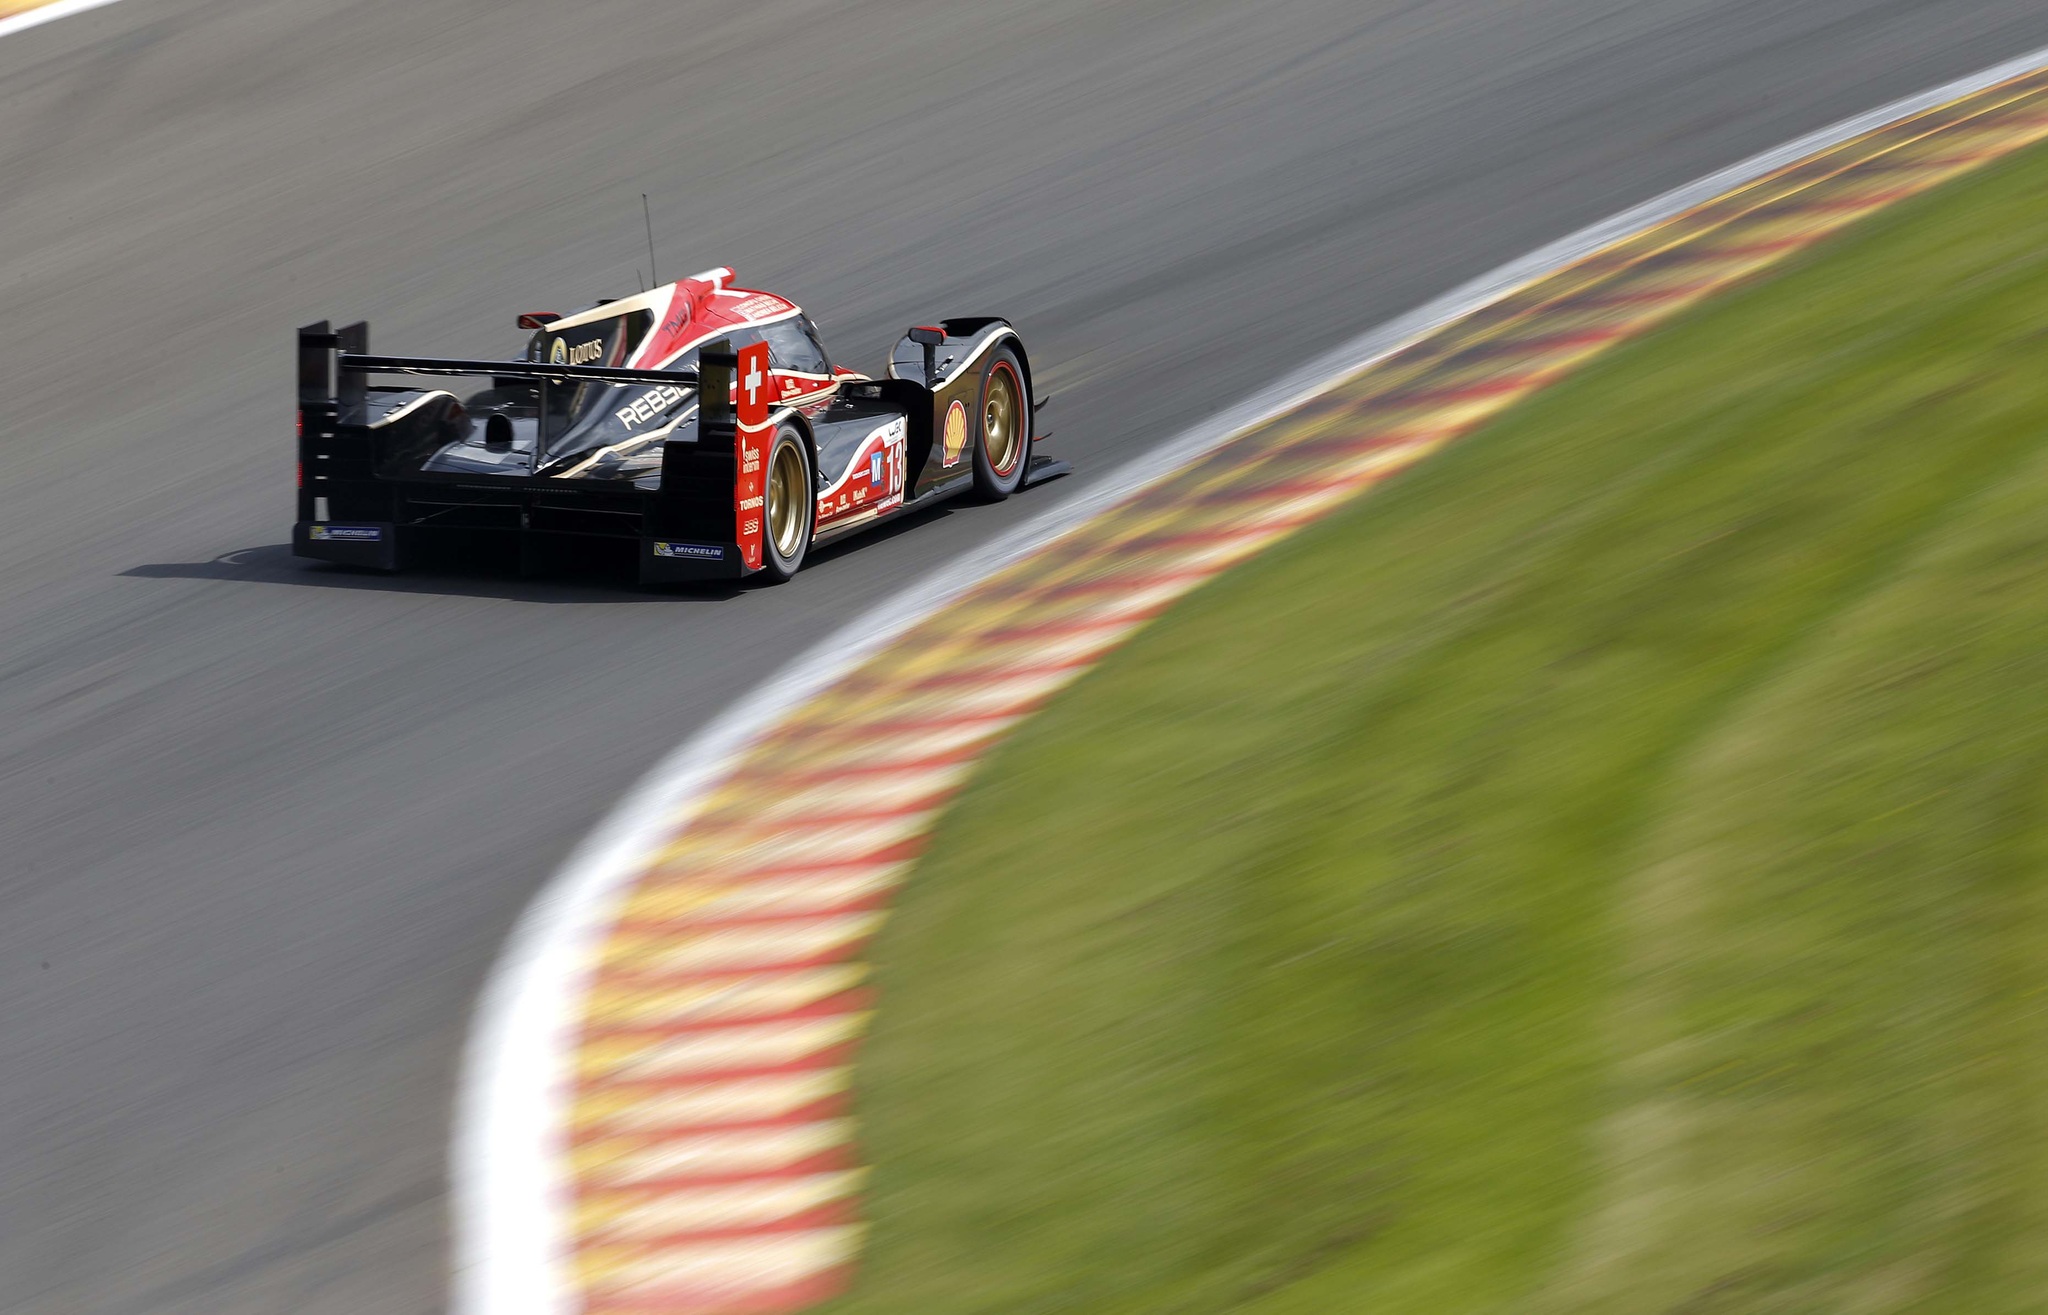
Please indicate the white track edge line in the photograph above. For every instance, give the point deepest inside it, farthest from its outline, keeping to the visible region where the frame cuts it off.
(506, 1198)
(29, 18)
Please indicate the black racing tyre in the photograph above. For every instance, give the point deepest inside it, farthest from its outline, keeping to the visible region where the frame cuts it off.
(789, 505)
(1002, 448)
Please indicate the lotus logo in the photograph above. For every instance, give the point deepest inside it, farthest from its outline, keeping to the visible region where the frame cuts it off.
(581, 354)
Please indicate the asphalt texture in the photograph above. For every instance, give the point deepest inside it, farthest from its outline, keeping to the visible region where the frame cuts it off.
(263, 824)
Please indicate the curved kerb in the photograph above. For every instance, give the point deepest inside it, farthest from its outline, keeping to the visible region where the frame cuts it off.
(653, 1115)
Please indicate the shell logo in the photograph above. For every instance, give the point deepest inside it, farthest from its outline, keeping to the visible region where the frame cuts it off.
(956, 433)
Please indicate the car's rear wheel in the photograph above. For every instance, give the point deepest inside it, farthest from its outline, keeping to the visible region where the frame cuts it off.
(789, 506)
(1004, 446)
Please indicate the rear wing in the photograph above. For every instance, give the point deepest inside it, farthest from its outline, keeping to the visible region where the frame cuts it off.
(335, 367)
(356, 508)
(352, 363)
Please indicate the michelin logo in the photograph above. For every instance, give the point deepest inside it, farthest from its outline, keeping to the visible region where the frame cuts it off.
(349, 533)
(702, 551)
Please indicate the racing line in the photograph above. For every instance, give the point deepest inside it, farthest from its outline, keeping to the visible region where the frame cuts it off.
(656, 1114)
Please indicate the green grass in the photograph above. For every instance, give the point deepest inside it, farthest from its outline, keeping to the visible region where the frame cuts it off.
(1602, 871)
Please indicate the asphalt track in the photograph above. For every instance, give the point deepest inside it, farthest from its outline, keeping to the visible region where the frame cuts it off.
(264, 824)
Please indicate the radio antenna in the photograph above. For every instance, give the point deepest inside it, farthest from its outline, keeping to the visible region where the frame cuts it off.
(647, 213)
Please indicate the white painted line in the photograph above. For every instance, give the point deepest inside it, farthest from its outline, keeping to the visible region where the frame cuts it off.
(49, 13)
(511, 1225)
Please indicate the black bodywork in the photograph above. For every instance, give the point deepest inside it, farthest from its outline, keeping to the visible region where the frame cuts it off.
(367, 499)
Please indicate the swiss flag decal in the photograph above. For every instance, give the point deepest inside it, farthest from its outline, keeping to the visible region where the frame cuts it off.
(751, 387)
(750, 391)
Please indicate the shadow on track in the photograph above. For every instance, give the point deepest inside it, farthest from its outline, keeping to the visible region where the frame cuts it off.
(564, 578)
(570, 579)
(273, 563)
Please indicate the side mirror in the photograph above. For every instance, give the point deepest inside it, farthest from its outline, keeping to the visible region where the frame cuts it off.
(930, 339)
(538, 320)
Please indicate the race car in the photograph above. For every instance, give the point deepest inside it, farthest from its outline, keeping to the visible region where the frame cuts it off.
(699, 426)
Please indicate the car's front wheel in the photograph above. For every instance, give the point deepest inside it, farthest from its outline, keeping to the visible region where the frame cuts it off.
(1004, 446)
(789, 506)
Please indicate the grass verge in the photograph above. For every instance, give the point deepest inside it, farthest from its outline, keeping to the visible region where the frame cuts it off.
(1599, 872)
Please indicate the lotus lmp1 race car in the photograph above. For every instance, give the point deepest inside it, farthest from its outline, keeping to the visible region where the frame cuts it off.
(699, 426)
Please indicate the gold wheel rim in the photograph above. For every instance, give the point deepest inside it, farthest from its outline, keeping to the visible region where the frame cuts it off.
(999, 428)
(786, 500)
